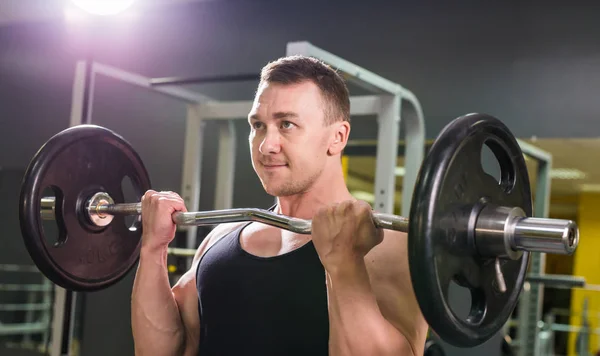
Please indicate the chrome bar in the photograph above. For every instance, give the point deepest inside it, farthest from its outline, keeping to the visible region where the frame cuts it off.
(499, 231)
(384, 221)
(118, 209)
(237, 215)
(546, 235)
(506, 232)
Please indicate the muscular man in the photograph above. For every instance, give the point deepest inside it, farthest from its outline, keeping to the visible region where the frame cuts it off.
(254, 289)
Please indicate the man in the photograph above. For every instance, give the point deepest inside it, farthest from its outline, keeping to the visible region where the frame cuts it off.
(254, 289)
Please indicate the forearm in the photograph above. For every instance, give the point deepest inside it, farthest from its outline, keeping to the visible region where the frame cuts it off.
(156, 323)
(357, 326)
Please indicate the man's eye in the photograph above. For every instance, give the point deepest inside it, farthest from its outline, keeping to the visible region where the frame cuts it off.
(257, 125)
(287, 125)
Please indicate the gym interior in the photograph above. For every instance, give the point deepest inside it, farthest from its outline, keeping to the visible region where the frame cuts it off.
(176, 80)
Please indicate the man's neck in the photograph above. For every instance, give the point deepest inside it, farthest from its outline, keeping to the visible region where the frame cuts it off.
(305, 205)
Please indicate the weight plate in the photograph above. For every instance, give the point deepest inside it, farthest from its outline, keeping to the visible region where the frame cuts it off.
(451, 185)
(75, 164)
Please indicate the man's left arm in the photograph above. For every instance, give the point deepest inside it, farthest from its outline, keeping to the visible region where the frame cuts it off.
(372, 307)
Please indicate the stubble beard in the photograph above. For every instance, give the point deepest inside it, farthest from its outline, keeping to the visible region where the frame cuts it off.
(290, 187)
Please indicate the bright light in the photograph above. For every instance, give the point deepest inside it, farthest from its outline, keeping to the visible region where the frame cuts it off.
(103, 7)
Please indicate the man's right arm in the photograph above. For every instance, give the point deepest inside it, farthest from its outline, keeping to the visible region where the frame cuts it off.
(165, 320)
(155, 319)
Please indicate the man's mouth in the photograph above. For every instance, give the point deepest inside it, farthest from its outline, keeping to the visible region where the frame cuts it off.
(274, 166)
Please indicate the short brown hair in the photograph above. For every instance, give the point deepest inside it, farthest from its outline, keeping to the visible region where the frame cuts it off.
(297, 69)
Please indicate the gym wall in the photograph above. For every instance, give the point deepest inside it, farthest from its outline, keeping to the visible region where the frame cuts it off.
(531, 65)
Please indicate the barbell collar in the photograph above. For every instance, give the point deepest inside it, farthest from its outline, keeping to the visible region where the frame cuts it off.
(555, 236)
(506, 232)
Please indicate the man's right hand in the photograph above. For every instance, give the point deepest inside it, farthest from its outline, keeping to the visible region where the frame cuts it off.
(157, 222)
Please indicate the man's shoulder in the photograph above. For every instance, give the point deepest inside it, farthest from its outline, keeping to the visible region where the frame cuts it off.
(216, 234)
(221, 230)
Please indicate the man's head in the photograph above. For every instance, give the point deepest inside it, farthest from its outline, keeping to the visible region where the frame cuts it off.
(300, 122)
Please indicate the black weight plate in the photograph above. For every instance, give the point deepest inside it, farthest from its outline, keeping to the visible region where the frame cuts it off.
(433, 348)
(451, 183)
(76, 163)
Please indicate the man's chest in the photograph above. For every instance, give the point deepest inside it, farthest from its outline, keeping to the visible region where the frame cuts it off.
(268, 241)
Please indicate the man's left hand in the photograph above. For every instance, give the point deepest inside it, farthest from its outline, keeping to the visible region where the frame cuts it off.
(344, 233)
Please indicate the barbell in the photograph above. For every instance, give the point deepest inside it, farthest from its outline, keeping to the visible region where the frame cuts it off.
(464, 225)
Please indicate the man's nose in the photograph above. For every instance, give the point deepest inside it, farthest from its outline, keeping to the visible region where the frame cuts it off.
(271, 142)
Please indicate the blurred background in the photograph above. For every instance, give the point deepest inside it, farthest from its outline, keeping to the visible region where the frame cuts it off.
(535, 65)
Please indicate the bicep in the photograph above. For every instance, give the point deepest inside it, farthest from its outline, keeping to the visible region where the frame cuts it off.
(187, 301)
(390, 278)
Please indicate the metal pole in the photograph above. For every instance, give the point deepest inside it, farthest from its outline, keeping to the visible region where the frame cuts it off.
(192, 167)
(225, 166)
(530, 308)
(65, 300)
(387, 153)
(202, 80)
(414, 136)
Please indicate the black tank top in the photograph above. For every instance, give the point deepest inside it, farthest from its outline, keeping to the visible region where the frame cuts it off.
(252, 305)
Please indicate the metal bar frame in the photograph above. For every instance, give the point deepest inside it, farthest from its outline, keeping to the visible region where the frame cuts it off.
(192, 168)
(29, 306)
(387, 154)
(202, 80)
(29, 326)
(189, 96)
(225, 166)
(19, 287)
(20, 329)
(18, 268)
(558, 281)
(530, 309)
(389, 123)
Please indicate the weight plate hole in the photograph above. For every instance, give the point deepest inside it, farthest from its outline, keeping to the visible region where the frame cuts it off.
(467, 303)
(130, 195)
(497, 163)
(459, 299)
(53, 225)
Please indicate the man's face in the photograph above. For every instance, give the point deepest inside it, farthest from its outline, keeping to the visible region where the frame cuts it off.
(288, 138)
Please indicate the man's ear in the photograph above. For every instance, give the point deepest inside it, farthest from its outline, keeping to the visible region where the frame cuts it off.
(341, 132)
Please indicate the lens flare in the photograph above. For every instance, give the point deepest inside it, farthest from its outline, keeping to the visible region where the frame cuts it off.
(103, 7)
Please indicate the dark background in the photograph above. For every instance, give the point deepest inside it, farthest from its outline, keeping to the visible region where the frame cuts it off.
(533, 64)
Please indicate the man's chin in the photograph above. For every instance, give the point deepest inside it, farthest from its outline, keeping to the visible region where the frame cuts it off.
(277, 190)
(272, 191)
